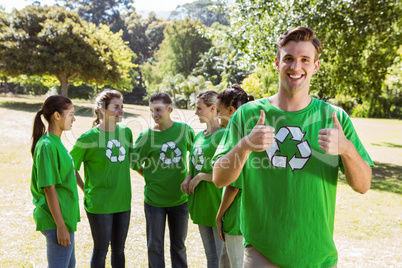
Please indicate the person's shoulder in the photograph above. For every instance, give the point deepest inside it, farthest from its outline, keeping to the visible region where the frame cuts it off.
(124, 128)
(326, 106)
(94, 131)
(182, 125)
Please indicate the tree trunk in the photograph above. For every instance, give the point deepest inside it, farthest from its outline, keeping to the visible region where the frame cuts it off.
(174, 97)
(5, 84)
(64, 86)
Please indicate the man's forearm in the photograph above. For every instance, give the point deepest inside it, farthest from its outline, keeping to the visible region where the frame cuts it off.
(357, 172)
(228, 168)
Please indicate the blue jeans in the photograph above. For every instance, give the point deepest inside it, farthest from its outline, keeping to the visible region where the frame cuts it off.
(58, 255)
(109, 228)
(212, 245)
(178, 224)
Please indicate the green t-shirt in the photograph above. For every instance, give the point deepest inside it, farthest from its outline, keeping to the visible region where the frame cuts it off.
(163, 155)
(289, 190)
(231, 219)
(53, 165)
(106, 158)
(204, 203)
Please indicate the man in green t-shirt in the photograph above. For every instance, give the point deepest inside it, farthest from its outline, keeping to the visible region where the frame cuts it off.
(285, 151)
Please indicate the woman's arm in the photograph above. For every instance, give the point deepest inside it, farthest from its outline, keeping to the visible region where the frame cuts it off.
(184, 185)
(197, 179)
(63, 235)
(80, 183)
(227, 200)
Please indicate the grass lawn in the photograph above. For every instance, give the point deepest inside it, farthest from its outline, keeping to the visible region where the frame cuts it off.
(367, 227)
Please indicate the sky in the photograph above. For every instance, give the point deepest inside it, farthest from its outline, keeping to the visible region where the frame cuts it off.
(140, 5)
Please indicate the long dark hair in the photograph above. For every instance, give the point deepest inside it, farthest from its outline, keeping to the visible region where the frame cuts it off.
(52, 104)
(234, 96)
(102, 101)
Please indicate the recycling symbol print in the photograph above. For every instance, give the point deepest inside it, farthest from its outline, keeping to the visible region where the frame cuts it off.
(109, 153)
(177, 153)
(303, 147)
(197, 153)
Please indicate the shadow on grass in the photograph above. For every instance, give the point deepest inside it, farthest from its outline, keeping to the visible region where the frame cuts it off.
(386, 177)
(387, 144)
(34, 107)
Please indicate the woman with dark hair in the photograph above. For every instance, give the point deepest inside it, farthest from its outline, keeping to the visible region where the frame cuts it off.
(204, 197)
(105, 151)
(53, 182)
(160, 156)
(228, 217)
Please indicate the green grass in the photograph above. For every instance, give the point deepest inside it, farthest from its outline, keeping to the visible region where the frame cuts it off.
(367, 227)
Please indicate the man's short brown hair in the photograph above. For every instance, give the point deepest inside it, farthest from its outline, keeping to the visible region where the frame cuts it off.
(299, 34)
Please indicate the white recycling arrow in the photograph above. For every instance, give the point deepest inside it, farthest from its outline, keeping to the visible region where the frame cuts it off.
(109, 153)
(297, 163)
(297, 134)
(279, 161)
(272, 150)
(164, 147)
(282, 134)
(304, 149)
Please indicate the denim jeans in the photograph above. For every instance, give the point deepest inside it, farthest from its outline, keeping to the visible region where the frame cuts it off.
(212, 245)
(177, 218)
(59, 256)
(232, 252)
(109, 228)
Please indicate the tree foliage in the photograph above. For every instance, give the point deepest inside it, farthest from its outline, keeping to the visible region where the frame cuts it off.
(99, 11)
(359, 40)
(52, 41)
(206, 11)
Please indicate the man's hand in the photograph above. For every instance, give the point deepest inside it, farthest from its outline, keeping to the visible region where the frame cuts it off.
(333, 140)
(261, 137)
(184, 185)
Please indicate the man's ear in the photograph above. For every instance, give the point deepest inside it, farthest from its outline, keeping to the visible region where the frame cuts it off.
(170, 108)
(277, 64)
(316, 66)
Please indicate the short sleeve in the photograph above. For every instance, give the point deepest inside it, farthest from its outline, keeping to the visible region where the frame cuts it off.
(47, 166)
(138, 151)
(230, 138)
(190, 138)
(351, 134)
(78, 153)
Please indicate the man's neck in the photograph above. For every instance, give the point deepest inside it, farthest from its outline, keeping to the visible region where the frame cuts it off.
(290, 103)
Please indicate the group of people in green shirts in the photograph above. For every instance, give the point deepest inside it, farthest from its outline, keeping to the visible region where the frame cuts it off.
(278, 158)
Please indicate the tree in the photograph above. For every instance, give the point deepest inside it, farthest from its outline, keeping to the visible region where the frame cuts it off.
(100, 11)
(223, 62)
(170, 84)
(182, 47)
(52, 41)
(359, 37)
(206, 11)
(192, 85)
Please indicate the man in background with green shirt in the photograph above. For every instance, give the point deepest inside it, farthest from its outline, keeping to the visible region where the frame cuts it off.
(285, 151)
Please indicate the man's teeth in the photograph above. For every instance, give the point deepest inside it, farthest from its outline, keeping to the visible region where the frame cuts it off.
(295, 76)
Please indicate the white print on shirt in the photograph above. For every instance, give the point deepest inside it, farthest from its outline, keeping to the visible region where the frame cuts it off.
(109, 152)
(164, 149)
(303, 147)
(197, 164)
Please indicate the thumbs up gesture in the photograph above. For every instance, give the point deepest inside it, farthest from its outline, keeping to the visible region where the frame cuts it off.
(261, 137)
(333, 140)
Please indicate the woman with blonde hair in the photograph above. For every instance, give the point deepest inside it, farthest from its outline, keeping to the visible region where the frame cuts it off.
(105, 151)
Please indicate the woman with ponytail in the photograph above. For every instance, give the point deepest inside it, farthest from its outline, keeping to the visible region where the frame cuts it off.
(228, 217)
(105, 151)
(53, 182)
